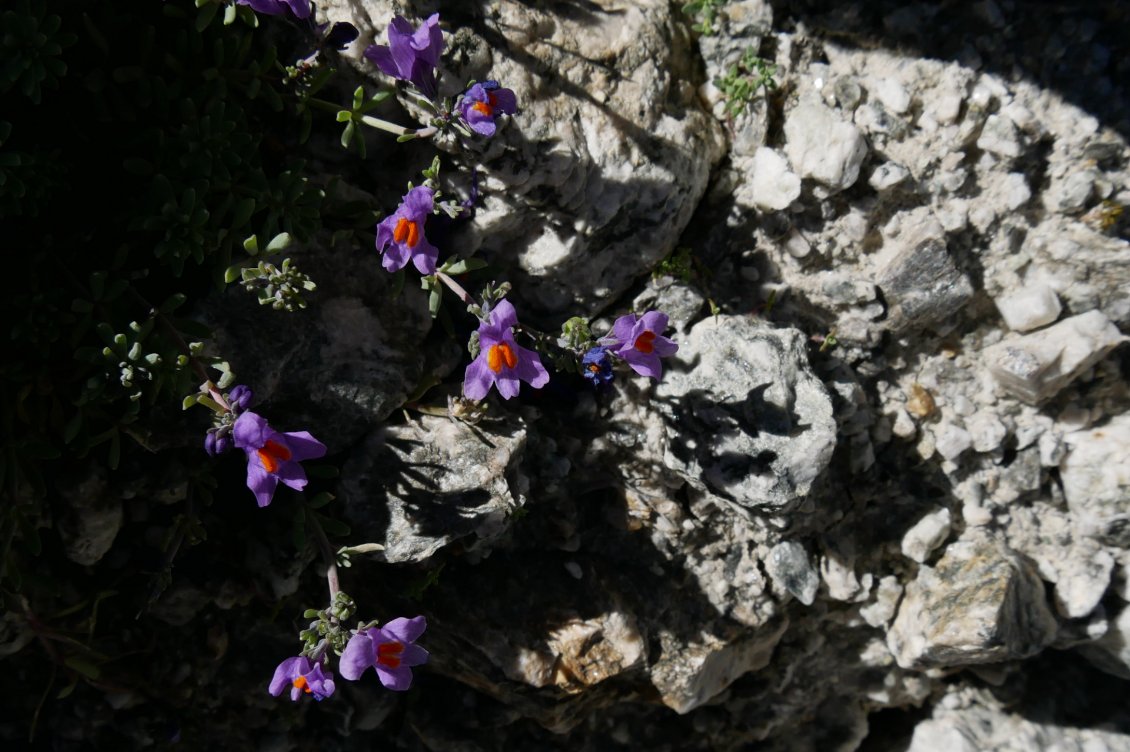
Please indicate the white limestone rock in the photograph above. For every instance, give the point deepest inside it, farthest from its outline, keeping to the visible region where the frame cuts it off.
(1096, 480)
(770, 183)
(926, 535)
(1036, 366)
(823, 147)
(985, 430)
(749, 422)
(1029, 308)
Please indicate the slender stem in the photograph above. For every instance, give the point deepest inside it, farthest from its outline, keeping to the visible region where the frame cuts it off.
(328, 555)
(455, 288)
(174, 335)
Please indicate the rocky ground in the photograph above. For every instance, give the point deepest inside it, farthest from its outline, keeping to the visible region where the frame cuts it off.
(913, 538)
(881, 498)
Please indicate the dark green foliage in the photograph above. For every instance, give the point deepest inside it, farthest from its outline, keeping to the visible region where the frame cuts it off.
(145, 148)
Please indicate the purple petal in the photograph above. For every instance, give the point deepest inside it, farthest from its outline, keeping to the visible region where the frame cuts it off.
(622, 329)
(529, 368)
(503, 316)
(292, 474)
(381, 56)
(428, 40)
(395, 257)
(478, 378)
(251, 431)
(413, 655)
(418, 203)
(400, 43)
(508, 383)
(303, 446)
(423, 77)
(398, 679)
(424, 256)
(261, 483)
(300, 8)
(385, 229)
(482, 124)
(645, 364)
(654, 321)
(664, 347)
(357, 656)
(405, 630)
(285, 673)
(266, 7)
(505, 101)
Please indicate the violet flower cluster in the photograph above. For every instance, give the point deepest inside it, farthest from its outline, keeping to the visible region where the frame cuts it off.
(391, 651)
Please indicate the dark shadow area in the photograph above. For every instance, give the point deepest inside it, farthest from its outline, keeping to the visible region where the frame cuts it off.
(1075, 48)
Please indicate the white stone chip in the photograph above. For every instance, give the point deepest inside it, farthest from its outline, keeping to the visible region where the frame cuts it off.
(772, 184)
(926, 535)
(823, 147)
(1029, 308)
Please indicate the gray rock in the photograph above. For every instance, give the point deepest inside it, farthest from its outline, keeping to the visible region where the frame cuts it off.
(1037, 366)
(747, 421)
(1000, 137)
(888, 175)
(1111, 652)
(418, 487)
(922, 285)
(792, 571)
(982, 603)
(1082, 579)
(1096, 480)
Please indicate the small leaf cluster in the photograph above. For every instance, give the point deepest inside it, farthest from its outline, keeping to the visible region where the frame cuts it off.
(31, 47)
(745, 79)
(706, 11)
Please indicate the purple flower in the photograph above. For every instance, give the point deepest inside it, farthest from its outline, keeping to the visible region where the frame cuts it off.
(501, 360)
(597, 366)
(482, 103)
(411, 54)
(404, 231)
(273, 456)
(389, 650)
(340, 35)
(299, 8)
(303, 676)
(640, 342)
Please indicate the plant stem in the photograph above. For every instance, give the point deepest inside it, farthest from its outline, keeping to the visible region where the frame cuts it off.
(327, 554)
(455, 288)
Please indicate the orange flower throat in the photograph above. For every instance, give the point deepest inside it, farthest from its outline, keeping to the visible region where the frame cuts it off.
(388, 654)
(407, 230)
(486, 108)
(500, 355)
(645, 343)
(270, 455)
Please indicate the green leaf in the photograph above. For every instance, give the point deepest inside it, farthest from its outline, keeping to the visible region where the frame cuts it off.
(173, 302)
(205, 16)
(331, 526)
(310, 613)
(279, 242)
(344, 116)
(188, 402)
(251, 245)
(465, 265)
(229, 15)
(83, 666)
(320, 500)
(435, 300)
(232, 273)
(358, 97)
(242, 212)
